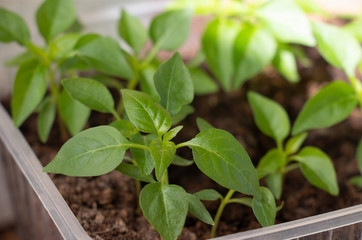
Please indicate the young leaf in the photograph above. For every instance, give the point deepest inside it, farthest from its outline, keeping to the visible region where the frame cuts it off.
(142, 157)
(208, 195)
(275, 184)
(28, 91)
(63, 45)
(217, 44)
(203, 84)
(147, 84)
(359, 156)
(74, 114)
(182, 114)
(163, 153)
(104, 54)
(222, 158)
(253, 49)
(91, 93)
(270, 117)
(287, 21)
(354, 28)
(125, 127)
(19, 59)
(174, 85)
(318, 169)
(132, 31)
(198, 209)
(270, 162)
(170, 29)
(47, 111)
(134, 172)
(337, 46)
(286, 64)
(331, 105)
(54, 17)
(93, 152)
(172, 133)
(264, 208)
(13, 28)
(164, 206)
(145, 113)
(203, 124)
(294, 143)
(180, 161)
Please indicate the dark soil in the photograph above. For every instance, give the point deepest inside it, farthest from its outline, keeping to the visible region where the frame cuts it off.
(106, 205)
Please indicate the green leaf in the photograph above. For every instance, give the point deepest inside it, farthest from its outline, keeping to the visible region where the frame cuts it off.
(203, 124)
(245, 201)
(271, 162)
(331, 105)
(54, 17)
(74, 114)
(132, 31)
(104, 54)
(270, 117)
(357, 181)
(109, 82)
(198, 209)
(222, 158)
(142, 157)
(275, 184)
(147, 84)
(47, 111)
(286, 64)
(172, 133)
(163, 153)
(208, 195)
(180, 161)
(13, 28)
(93, 152)
(317, 167)
(359, 156)
(287, 21)
(182, 114)
(164, 206)
(174, 85)
(217, 44)
(294, 143)
(354, 28)
(145, 113)
(170, 29)
(337, 46)
(203, 84)
(134, 172)
(19, 59)
(62, 46)
(28, 91)
(312, 7)
(253, 49)
(264, 208)
(125, 127)
(91, 93)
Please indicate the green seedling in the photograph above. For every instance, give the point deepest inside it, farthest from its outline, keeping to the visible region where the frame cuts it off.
(147, 133)
(65, 54)
(314, 164)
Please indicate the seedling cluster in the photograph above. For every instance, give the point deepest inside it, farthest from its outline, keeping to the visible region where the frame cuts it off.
(241, 40)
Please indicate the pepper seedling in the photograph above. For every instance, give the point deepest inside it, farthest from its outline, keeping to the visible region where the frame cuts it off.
(314, 164)
(148, 135)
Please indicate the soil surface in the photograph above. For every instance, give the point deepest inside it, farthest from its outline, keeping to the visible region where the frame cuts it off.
(106, 205)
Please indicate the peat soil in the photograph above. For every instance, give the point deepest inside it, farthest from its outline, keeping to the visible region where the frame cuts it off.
(106, 205)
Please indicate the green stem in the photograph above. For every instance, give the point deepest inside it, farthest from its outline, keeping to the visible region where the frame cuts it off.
(151, 54)
(219, 212)
(291, 167)
(180, 145)
(136, 145)
(357, 86)
(138, 192)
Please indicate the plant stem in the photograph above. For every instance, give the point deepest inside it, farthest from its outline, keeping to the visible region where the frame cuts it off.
(220, 210)
(291, 167)
(357, 86)
(136, 145)
(138, 192)
(151, 54)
